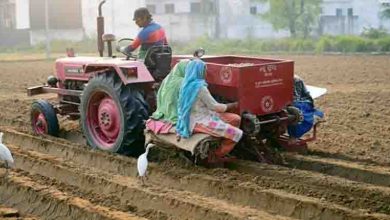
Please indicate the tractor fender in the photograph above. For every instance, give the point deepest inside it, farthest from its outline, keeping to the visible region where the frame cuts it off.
(129, 72)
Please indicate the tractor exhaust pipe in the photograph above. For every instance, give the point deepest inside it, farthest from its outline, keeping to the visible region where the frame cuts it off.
(100, 29)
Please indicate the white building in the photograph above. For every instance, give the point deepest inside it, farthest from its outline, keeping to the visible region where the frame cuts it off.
(183, 20)
(12, 23)
(68, 19)
(352, 16)
(186, 20)
(239, 19)
(118, 15)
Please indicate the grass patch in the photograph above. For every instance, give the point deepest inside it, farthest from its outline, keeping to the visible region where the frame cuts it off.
(341, 44)
(377, 43)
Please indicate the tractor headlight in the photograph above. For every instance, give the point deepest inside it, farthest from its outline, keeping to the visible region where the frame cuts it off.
(130, 72)
(52, 81)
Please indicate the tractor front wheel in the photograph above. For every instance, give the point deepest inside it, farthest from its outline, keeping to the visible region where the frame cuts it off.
(112, 115)
(44, 118)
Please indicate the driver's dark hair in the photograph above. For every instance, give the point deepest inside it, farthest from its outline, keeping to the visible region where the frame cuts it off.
(141, 13)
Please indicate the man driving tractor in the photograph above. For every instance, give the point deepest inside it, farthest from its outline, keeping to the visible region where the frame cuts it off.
(152, 34)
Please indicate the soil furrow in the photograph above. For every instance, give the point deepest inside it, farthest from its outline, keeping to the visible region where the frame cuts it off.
(180, 204)
(7, 213)
(352, 194)
(377, 175)
(355, 134)
(101, 199)
(47, 202)
(245, 188)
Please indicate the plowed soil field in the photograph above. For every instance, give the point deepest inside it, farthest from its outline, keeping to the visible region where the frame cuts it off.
(345, 175)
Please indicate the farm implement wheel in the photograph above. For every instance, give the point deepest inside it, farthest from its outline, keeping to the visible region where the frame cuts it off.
(44, 118)
(112, 115)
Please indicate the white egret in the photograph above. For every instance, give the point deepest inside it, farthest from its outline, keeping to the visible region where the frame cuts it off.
(142, 164)
(5, 155)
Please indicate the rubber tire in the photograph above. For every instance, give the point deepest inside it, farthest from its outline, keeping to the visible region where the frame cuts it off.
(50, 114)
(133, 112)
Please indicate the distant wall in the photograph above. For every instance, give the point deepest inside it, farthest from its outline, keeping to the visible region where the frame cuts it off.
(187, 20)
(22, 14)
(186, 27)
(118, 16)
(351, 16)
(11, 38)
(338, 25)
(63, 14)
(77, 19)
(242, 18)
(37, 36)
(7, 14)
(226, 19)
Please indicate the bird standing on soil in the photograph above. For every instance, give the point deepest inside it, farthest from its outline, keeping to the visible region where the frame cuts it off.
(142, 164)
(5, 155)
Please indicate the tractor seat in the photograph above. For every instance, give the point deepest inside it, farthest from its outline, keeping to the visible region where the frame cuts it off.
(108, 37)
(158, 60)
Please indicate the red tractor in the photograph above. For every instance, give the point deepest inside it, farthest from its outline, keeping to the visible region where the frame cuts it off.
(109, 95)
(112, 97)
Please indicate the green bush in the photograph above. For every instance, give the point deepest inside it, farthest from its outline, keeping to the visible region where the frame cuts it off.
(374, 33)
(325, 44)
(250, 46)
(302, 45)
(349, 44)
(384, 44)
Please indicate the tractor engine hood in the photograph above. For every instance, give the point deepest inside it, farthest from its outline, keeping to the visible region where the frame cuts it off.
(83, 68)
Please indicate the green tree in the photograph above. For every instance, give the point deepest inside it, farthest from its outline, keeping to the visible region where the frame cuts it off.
(386, 13)
(298, 16)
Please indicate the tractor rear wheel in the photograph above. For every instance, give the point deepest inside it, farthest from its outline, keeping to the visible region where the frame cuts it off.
(44, 118)
(112, 115)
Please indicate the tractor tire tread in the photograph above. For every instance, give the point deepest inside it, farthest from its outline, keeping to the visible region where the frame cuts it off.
(50, 114)
(134, 112)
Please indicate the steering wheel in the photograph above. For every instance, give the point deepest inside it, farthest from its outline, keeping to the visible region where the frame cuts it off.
(123, 49)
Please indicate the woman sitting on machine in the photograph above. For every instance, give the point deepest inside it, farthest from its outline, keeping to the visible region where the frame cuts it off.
(198, 112)
(165, 116)
(305, 103)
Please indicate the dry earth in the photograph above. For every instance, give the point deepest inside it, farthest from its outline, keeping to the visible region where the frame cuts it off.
(346, 174)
